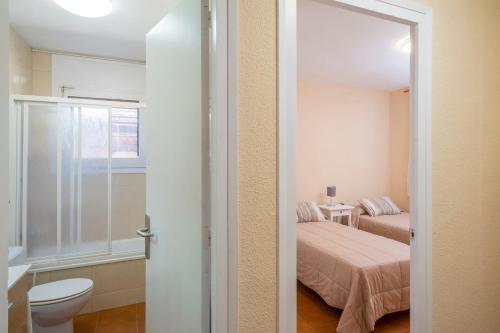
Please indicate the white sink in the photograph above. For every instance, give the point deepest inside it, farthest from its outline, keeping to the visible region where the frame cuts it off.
(16, 255)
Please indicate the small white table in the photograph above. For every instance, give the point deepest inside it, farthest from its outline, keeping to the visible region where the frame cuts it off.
(334, 213)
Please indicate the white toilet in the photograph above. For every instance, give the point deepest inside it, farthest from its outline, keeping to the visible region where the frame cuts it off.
(53, 305)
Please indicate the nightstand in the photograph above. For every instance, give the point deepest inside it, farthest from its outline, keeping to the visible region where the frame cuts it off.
(335, 213)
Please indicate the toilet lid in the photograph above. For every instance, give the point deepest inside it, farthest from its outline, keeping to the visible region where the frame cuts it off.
(59, 290)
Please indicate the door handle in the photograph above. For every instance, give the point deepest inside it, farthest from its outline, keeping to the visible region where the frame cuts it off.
(144, 232)
(147, 234)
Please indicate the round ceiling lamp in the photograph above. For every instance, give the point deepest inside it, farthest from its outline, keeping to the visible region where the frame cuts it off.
(86, 8)
(405, 45)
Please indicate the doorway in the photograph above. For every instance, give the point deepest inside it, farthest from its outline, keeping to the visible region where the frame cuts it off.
(419, 19)
(103, 77)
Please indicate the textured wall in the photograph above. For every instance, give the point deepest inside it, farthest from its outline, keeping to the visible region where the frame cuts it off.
(466, 166)
(342, 139)
(257, 166)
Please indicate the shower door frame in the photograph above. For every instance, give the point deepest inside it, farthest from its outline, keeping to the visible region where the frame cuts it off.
(18, 230)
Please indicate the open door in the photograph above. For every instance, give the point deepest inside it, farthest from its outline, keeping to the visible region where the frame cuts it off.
(176, 120)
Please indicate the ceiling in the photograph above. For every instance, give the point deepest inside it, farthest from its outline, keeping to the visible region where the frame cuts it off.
(340, 46)
(43, 24)
(334, 45)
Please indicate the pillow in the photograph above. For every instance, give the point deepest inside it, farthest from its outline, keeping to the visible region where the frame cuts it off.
(380, 206)
(309, 211)
(362, 211)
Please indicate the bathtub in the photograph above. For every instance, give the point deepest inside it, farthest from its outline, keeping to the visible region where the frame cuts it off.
(121, 250)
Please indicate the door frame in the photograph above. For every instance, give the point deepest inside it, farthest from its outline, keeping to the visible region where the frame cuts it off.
(224, 226)
(4, 167)
(419, 17)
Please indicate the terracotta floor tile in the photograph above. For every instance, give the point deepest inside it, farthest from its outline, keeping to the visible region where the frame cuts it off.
(118, 320)
(141, 317)
(86, 323)
(127, 319)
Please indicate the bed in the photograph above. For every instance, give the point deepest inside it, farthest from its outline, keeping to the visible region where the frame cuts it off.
(366, 275)
(395, 227)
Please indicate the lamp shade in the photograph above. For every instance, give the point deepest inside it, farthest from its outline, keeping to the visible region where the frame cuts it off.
(331, 191)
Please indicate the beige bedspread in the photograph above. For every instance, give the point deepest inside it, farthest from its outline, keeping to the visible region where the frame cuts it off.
(365, 275)
(395, 227)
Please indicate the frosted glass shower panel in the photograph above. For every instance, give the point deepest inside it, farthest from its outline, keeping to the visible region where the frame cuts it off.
(66, 161)
(40, 163)
(95, 159)
(69, 181)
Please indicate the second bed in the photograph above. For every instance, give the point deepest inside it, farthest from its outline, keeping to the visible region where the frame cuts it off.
(395, 227)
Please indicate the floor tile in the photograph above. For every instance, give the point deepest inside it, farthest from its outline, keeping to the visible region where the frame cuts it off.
(141, 317)
(86, 323)
(126, 319)
(119, 320)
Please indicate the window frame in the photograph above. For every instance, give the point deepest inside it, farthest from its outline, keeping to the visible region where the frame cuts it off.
(133, 164)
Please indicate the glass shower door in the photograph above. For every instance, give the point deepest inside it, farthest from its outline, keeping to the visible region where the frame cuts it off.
(40, 208)
(66, 173)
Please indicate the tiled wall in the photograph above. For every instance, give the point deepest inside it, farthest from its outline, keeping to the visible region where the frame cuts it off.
(42, 73)
(20, 65)
(115, 284)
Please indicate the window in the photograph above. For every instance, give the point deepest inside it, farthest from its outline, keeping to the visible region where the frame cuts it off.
(127, 150)
(125, 133)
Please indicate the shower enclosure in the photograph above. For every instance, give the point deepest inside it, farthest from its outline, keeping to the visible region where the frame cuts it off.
(64, 150)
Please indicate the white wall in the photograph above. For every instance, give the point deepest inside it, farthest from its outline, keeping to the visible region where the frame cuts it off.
(98, 78)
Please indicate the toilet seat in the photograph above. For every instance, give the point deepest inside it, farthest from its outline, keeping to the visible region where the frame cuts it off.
(58, 291)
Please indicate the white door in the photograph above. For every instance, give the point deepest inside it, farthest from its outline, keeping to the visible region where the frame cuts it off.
(176, 126)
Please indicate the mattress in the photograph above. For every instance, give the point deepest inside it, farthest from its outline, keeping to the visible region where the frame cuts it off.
(395, 227)
(366, 275)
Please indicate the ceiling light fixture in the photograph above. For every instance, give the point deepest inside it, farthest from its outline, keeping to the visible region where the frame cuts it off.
(405, 45)
(86, 8)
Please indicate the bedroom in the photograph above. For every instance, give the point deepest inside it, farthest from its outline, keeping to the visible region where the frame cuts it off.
(353, 108)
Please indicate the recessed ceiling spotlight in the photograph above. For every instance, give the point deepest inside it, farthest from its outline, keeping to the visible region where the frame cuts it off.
(405, 45)
(86, 8)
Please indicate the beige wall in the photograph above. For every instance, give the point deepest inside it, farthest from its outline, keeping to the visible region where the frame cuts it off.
(42, 73)
(115, 284)
(257, 284)
(466, 165)
(20, 65)
(343, 139)
(399, 147)
(30, 71)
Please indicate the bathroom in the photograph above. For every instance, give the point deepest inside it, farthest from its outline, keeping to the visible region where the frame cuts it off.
(78, 163)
